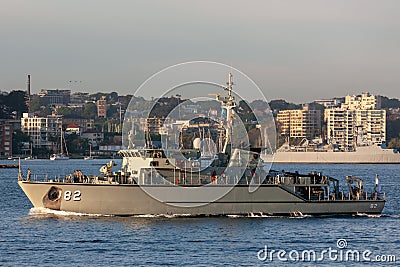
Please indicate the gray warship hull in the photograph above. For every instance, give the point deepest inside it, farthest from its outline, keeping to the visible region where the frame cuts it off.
(127, 200)
(363, 155)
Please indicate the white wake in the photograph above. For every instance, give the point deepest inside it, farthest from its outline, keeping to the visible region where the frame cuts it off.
(45, 211)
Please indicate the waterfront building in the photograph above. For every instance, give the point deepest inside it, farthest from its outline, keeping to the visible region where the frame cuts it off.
(330, 103)
(300, 123)
(363, 101)
(94, 137)
(55, 97)
(6, 131)
(79, 98)
(358, 122)
(102, 107)
(371, 126)
(154, 125)
(73, 129)
(43, 131)
(340, 128)
(84, 124)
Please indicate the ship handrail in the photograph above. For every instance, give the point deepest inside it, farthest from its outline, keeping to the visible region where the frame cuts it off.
(219, 180)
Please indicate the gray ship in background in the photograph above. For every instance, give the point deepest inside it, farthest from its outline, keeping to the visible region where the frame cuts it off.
(308, 152)
(354, 131)
(189, 181)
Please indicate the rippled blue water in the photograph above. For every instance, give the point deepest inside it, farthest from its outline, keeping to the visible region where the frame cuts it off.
(56, 240)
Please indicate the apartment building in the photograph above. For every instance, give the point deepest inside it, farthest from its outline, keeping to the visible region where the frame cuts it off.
(371, 126)
(6, 131)
(363, 101)
(330, 103)
(79, 98)
(300, 123)
(84, 124)
(56, 96)
(359, 121)
(93, 136)
(340, 128)
(43, 131)
(102, 107)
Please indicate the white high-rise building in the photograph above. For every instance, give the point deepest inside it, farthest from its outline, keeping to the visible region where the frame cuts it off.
(370, 126)
(43, 131)
(300, 123)
(359, 121)
(363, 101)
(340, 128)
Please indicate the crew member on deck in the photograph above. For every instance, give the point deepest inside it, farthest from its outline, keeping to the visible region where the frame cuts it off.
(28, 175)
(214, 177)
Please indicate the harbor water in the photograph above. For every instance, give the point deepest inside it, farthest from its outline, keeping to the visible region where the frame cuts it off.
(32, 237)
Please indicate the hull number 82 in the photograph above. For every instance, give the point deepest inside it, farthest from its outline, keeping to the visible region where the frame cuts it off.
(75, 196)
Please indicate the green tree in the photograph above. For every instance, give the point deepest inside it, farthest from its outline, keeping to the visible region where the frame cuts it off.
(75, 144)
(18, 138)
(66, 112)
(113, 112)
(113, 97)
(89, 111)
(281, 104)
(69, 112)
(394, 143)
(16, 100)
(97, 96)
(389, 103)
(45, 111)
(124, 100)
(37, 103)
(393, 129)
(4, 112)
(258, 104)
(245, 112)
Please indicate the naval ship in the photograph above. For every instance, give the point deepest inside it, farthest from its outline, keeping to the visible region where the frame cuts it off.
(186, 181)
(365, 154)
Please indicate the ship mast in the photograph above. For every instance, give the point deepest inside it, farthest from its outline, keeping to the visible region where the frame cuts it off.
(61, 141)
(228, 103)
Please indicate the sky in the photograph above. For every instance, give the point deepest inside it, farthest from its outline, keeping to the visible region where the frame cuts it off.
(294, 50)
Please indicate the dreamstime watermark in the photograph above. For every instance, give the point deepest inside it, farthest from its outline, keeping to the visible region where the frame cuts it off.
(340, 253)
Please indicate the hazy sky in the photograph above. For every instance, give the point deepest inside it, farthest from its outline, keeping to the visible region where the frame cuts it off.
(297, 50)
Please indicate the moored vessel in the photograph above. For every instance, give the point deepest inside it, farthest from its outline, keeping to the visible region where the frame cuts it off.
(371, 154)
(90, 154)
(61, 155)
